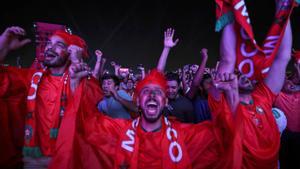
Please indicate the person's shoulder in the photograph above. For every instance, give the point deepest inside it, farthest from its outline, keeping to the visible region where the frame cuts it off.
(263, 94)
(262, 88)
(104, 100)
(184, 100)
(123, 94)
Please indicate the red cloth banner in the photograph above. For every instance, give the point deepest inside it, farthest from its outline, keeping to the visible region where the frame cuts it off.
(253, 60)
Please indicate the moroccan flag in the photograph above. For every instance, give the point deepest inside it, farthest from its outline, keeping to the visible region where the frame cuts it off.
(253, 60)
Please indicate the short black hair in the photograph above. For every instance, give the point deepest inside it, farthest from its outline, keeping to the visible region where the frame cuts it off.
(110, 76)
(170, 76)
(205, 76)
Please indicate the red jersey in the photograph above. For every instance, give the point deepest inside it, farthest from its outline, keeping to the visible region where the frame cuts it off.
(48, 108)
(289, 103)
(256, 130)
(13, 93)
(103, 142)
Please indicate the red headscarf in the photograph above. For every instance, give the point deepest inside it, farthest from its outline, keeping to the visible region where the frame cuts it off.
(154, 77)
(72, 40)
(64, 35)
(76, 40)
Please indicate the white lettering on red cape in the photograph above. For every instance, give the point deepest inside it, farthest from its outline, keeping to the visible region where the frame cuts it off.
(171, 136)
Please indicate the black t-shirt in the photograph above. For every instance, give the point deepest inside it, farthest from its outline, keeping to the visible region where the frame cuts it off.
(181, 108)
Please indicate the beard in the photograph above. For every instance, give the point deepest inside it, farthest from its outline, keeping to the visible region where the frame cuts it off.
(245, 85)
(246, 89)
(55, 59)
(152, 119)
(172, 96)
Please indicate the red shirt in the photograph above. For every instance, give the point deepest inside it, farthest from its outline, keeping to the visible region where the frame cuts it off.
(203, 149)
(256, 130)
(48, 108)
(13, 93)
(261, 138)
(289, 103)
(98, 144)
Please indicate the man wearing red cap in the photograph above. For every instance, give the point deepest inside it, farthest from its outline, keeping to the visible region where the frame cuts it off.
(48, 91)
(152, 140)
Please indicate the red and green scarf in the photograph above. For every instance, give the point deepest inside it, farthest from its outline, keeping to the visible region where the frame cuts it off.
(31, 146)
(253, 60)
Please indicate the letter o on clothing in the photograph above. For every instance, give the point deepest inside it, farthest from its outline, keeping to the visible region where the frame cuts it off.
(247, 54)
(243, 63)
(179, 150)
(169, 130)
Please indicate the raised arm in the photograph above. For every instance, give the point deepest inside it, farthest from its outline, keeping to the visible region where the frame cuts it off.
(227, 56)
(227, 50)
(10, 40)
(97, 69)
(184, 81)
(168, 44)
(227, 82)
(116, 68)
(77, 72)
(276, 75)
(199, 74)
(103, 61)
(78, 69)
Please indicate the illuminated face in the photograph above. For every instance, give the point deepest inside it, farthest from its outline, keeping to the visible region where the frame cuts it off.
(245, 85)
(107, 85)
(56, 54)
(194, 68)
(172, 90)
(130, 84)
(152, 101)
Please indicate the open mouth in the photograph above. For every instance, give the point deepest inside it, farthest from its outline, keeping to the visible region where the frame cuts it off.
(152, 106)
(50, 55)
(106, 92)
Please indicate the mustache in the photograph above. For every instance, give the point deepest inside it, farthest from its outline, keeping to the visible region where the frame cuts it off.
(151, 99)
(50, 52)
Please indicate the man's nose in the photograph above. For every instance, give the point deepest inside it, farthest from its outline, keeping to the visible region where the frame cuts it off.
(152, 93)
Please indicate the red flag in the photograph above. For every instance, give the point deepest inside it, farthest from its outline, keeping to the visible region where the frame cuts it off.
(253, 60)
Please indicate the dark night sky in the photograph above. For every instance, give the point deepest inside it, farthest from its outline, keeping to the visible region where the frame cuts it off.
(131, 32)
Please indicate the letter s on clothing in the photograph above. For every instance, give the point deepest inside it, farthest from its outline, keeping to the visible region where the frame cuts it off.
(34, 85)
(128, 145)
